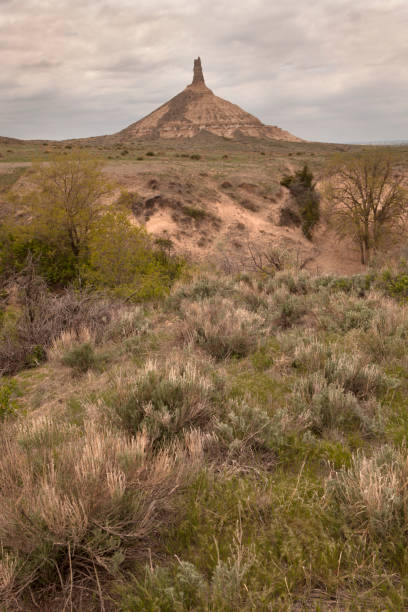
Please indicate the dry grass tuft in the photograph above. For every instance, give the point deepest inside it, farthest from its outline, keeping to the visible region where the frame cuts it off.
(76, 504)
(386, 336)
(66, 341)
(373, 492)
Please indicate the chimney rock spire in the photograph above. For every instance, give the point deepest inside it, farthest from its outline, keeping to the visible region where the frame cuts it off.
(198, 77)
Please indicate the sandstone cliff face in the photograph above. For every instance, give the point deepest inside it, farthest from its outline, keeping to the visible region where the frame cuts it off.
(197, 109)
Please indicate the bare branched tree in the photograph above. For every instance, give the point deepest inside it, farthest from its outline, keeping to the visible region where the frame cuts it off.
(367, 199)
(268, 261)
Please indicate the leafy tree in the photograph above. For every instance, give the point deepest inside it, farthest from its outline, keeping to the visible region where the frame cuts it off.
(67, 200)
(303, 189)
(367, 199)
(58, 266)
(73, 235)
(64, 205)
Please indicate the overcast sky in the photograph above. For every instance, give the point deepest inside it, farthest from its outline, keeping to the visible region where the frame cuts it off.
(329, 70)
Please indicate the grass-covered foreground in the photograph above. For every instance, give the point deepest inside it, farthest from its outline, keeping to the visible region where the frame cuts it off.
(239, 445)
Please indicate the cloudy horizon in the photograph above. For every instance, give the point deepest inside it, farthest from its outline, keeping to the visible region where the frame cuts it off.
(332, 71)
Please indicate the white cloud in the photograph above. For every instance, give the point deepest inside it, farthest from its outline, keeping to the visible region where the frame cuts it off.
(327, 70)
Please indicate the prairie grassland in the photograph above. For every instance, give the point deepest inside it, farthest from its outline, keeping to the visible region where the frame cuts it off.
(207, 198)
(240, 444)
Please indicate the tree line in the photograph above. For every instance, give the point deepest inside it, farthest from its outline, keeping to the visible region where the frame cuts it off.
(74, 237)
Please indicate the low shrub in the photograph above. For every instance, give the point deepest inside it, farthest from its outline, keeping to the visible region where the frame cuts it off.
(166, 400)
(79, 510)
(289, 309)
(81, 358)
(185, 587)
(250, 299)
(220, 328)
(354, 374)
(195, 213)
(358, 284)
(8, 402)
(298, 283)
(244, 426)
(249, 205)
(43, 317)
(289, 217)
(386, 336)
(323, 406)
(373, 493)
(200, 288)
(289, 313)
(128, 321)
(346, 312)
(310, 355)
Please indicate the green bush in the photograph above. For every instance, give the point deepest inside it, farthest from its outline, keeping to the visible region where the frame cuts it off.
(165, 400)
(122, 258)
(81, 358)
(72, 237)
(58, 266)
(8, 402)
(395, 285)
(195, 213)
(303, 190)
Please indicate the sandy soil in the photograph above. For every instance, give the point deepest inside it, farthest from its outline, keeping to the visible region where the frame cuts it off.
(238, 228)
(215, 199)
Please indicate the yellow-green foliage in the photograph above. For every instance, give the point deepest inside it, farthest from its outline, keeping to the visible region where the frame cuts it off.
(63, 203)
(121, 258)
(72, 235)
(67, 199)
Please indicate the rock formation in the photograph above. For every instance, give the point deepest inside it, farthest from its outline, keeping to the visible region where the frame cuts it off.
(198, 76)
(196, 109)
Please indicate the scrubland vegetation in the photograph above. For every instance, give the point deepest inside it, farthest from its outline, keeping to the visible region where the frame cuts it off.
(173, 437)
(239, 444)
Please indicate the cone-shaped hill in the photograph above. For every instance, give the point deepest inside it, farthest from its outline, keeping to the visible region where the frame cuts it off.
(197, 109)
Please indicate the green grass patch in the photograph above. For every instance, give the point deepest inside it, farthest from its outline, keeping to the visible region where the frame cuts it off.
(8, 179)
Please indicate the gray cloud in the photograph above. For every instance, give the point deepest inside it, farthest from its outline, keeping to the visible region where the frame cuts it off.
(333, 70)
